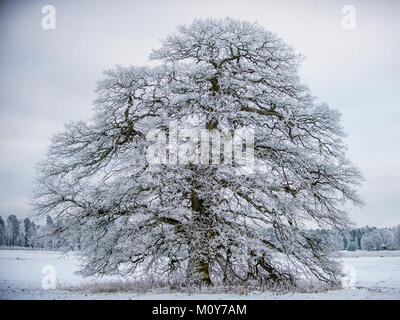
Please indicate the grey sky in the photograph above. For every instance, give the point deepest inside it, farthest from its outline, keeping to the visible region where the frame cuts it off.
(48, 76)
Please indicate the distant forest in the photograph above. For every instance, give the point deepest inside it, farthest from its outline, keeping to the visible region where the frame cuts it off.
(25, 233)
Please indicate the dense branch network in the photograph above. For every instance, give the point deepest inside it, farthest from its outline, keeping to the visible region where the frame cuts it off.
(204, 220)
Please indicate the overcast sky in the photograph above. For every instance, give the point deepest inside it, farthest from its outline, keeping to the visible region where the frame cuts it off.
(48, 76)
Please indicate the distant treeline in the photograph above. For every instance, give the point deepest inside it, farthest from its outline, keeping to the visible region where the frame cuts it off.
(365, 238)
(25, 233)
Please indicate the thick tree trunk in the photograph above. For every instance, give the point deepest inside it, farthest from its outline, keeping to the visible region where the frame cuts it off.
(199, 249)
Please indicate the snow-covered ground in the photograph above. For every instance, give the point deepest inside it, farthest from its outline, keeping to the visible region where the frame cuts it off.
(371, 275)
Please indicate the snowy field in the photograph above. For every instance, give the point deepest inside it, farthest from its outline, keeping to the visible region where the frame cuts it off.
(371, 275)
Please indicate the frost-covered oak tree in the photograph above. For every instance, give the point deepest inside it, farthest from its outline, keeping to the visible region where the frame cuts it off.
(204, 222)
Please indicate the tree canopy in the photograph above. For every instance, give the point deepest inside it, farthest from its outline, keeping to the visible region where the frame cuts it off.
(203, 219)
